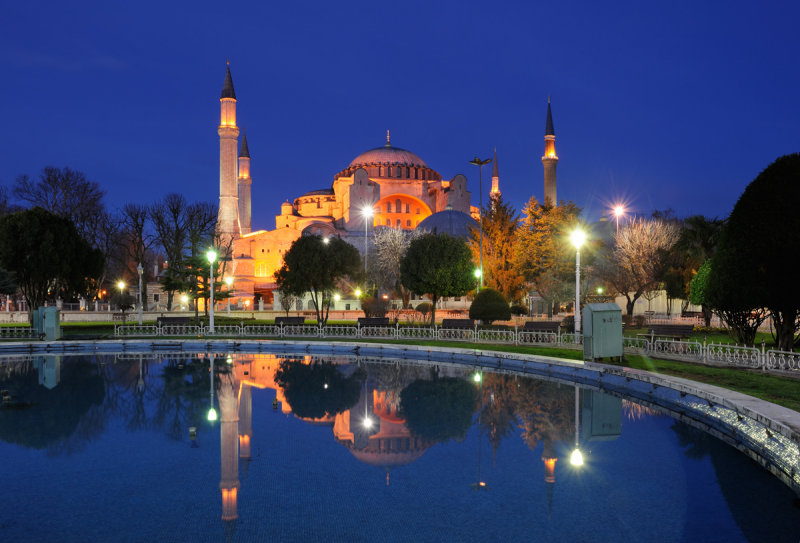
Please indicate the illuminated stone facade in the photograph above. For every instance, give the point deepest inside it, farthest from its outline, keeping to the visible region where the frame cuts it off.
(399, 188)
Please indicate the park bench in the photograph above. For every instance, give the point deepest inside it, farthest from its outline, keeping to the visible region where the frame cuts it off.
(290, 321)
(675, 331)
(373, 321)
(541, 326)
(174, 321)
(458, 324)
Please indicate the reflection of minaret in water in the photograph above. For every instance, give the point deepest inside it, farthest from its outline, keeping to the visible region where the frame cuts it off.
(549, 459)
(245, 425)
(229, 444)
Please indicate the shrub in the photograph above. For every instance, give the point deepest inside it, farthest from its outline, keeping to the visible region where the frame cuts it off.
(424, 309)
(639, 321)
(489, 305)
(568, 324)
(519, 310)
(374, 307)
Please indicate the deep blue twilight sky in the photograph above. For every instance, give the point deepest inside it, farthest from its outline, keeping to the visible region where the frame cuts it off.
(677, 104)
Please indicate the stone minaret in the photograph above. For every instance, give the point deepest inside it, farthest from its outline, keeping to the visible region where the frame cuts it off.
(244, 187)
(550, 160)
(228, 217)
(495, 193)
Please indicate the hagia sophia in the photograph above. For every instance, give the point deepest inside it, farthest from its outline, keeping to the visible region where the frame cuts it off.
(387, 186)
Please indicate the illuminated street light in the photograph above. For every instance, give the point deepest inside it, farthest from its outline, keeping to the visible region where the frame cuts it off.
(477, 279)
(618, 212)
(121, 287)
(480, 163)
(211, 255)
(578, 238)
(358, 293)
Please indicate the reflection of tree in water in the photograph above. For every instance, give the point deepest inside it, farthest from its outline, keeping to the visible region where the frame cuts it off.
(48, 418)
(182, 394)
(439, 409)
(317, 389)
(761, 505)
(544, 411)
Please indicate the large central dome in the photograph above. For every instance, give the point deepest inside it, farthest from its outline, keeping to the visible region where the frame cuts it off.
(387, 155)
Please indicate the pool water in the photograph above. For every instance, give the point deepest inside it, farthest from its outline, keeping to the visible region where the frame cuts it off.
(101, 448)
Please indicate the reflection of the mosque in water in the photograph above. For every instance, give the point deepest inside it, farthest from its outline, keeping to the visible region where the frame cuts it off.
(385, 414)
(374, 427)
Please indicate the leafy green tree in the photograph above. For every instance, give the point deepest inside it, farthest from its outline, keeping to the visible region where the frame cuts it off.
(46, 255)
(544, 254)
(499, 222)
(752, 268)
(437, 265)
(696, 243)
(310, 265)
(490, 305)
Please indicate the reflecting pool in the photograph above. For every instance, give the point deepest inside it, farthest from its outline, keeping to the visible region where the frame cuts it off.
(264, 447)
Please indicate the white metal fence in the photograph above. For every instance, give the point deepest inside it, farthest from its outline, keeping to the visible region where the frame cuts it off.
(689, 351)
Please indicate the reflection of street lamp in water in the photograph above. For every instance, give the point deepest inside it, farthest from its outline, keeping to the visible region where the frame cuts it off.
(480, 484)
(576, 458)
(212, 413)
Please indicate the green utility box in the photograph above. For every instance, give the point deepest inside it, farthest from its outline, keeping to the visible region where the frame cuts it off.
(602, 331)
(51, 323)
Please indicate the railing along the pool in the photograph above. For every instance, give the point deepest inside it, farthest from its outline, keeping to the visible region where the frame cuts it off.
(688, 351)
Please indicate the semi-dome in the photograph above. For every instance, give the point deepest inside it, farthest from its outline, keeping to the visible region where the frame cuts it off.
(387, 155)
(451, 222)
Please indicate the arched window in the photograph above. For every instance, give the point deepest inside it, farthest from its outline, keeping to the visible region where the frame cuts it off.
(388, 207)
(408, 223)
(380, 171)
(388, 222)
(398, 223)
(408, 208)
(407, 171)
(389, 171)
(398, 206)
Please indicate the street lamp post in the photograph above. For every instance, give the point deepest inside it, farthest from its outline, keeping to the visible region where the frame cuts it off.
(121, 287)
(479, 163)
(367, 212)
(229, 282)
(211, 255)
(618, 211)
(141, 271)
(477, 279)
(578, 238)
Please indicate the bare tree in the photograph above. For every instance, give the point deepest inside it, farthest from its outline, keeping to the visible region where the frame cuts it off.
(391, 245)
(66, 193)
(638, 261)
(136, 240)
(171, 222)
